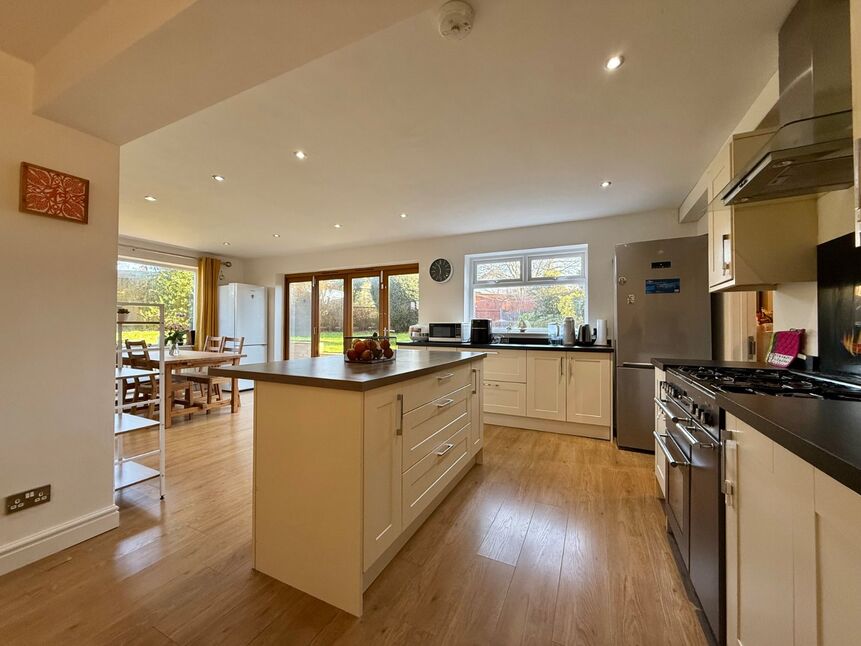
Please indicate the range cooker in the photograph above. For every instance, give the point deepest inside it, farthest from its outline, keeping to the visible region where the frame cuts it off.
(692, 443)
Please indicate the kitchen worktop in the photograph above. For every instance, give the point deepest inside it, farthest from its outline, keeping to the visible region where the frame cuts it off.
(824, 433)
(334, 372)
(505, 346)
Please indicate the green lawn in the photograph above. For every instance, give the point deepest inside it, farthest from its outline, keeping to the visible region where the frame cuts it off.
(333, 342)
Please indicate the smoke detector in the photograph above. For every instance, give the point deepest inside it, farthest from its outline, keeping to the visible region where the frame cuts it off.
(455, 19)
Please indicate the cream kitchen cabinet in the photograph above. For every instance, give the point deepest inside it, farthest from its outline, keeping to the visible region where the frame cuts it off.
(476, 435)
(504, 398)
(660, 458)
(793, 547)
(546, 389)
(505, 365)
(589, 389)
(763, 244)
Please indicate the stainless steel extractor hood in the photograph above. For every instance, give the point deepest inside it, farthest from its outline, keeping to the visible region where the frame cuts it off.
(812, 150)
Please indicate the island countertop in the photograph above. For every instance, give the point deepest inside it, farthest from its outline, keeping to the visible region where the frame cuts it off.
(334, 372)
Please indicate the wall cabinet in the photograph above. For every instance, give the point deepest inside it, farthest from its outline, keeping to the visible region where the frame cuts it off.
(589, 390)
(761, 245)
(546, 389)
(793, 545)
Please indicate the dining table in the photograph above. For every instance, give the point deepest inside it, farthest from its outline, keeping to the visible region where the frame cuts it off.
(188, 359)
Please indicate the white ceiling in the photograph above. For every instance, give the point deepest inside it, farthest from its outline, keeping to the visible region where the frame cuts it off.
(30, 28)
(515, 125)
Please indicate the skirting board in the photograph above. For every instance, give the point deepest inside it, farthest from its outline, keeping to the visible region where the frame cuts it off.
(549, 426)
(52, 540)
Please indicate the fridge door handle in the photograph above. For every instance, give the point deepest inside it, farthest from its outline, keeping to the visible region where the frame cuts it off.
(633, 364)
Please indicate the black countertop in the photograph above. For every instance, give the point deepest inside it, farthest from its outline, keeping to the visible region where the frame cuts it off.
(334, 372)
(825, 433)
(466, 345)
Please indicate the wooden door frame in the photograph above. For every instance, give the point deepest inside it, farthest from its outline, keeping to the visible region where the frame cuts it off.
(383, 272)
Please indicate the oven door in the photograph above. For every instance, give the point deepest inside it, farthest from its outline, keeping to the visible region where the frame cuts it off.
(678, 493)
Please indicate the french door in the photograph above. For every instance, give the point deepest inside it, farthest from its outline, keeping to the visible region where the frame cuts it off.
(322, 308)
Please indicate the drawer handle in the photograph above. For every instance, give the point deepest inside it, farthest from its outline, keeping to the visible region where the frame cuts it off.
(443, 403)
(445, 376)
(448, 446)
(399, 429)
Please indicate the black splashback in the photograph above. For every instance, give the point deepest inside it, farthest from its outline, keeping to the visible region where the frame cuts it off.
(839, 277)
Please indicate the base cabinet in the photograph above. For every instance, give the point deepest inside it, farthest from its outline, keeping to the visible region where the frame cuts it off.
(793, 545)
(504, 398)
(589, 390)
(660, 459)
(545, 384)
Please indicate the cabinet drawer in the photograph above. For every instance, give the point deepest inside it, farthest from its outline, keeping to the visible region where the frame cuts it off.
(433, 472)
(506, 365)
(427, 426)
(504, 397)
(421, 391)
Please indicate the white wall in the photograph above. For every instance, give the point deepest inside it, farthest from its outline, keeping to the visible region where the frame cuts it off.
(795, 303)
(58, 282)
(445, 302)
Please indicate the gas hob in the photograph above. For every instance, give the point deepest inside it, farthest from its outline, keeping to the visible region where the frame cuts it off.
(775, 383)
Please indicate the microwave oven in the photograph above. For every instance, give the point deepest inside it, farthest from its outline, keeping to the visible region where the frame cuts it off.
(442, 332)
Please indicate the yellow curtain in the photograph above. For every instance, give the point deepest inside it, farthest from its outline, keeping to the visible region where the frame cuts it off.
(206, 316)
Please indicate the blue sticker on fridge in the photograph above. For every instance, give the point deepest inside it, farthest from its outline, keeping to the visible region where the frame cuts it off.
(663, 285)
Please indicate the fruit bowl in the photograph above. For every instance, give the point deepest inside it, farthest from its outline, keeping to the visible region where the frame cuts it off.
(368, 349)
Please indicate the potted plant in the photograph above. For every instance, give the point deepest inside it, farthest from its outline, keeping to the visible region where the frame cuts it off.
(122, 314)
(174, 333)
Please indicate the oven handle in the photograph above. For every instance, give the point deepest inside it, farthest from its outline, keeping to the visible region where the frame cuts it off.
(690, 439)
(666, 451)
(665, 409)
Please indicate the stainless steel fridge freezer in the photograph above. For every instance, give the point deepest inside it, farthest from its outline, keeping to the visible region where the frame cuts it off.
(663, 309)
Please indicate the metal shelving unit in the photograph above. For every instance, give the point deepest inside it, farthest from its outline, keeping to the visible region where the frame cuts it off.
(127, 470)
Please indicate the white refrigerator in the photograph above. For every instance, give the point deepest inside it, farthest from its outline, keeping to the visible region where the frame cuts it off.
(242, 312)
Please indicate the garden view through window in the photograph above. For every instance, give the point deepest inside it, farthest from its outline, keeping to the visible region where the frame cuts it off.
(531, 289)
(148, 282)
(324, 308)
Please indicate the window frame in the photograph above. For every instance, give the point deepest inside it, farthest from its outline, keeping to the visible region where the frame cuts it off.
(526, 257)
(381, 272)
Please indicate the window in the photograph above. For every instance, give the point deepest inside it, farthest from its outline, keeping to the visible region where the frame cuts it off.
(325, 307)
(149, 282)
(534, 288)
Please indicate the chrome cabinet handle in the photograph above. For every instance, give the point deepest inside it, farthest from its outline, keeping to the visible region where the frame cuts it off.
(399, 430)
(443, 403)
(667, 454)
(445, 376)
(474, 381)
(448, 447)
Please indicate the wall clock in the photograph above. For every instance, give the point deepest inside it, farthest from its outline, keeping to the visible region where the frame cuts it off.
(440, 270)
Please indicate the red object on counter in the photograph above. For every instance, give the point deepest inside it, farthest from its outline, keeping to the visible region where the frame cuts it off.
(785, 346)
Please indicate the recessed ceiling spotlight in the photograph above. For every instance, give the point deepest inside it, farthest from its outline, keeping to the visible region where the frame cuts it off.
(606, 183)
(403, 215)
(300, 154)
(337, 226)
(615, 62)
(218, 178)
(276, 235)
(226, 244)
(150, 198)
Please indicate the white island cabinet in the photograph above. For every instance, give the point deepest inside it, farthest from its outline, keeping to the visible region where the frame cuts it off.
(793, 547)
(349, 460)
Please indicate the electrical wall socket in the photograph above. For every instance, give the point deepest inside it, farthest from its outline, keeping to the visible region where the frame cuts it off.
(27, 499)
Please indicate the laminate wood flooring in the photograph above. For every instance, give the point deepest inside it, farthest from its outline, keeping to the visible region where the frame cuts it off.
(553, 540)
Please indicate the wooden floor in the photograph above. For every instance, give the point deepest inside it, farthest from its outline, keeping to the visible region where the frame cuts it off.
(553, 540)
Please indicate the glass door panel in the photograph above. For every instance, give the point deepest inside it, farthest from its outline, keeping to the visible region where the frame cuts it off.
(299, 321)
(366, 305)
(403, 296)
(331, 313)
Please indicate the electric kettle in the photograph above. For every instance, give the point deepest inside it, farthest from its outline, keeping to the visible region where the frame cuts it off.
(584, 336)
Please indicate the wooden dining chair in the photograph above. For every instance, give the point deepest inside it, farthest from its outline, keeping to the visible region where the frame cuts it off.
(147, 388)
(214, 385)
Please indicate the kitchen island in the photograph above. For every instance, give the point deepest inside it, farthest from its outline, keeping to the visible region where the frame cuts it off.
(350, 459)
